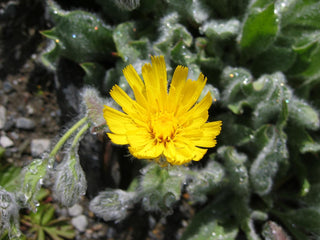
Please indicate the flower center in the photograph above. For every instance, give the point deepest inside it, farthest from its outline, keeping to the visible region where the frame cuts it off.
(163, 126)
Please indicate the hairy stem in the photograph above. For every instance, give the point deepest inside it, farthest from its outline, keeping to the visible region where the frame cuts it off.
(66, 136)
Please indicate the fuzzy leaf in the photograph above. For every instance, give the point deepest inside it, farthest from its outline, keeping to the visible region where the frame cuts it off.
(208, 224)
(272, 157)
(205, 180)
(312, 198)
(160, 187)
(275, 58)
(81, 36)
(303, 114)
(9, 213)
(128, 4)
(34, 175)
(172, 33)
(237, 134)
(302, 140)
(9, 177)
(217, 29)
(182, 55)
(51, 55)
(94, 74)
(259, 30)
(236, 170)
(128, 48)
(113, 204)
(301, 222)
(235, 80)
(70, 183)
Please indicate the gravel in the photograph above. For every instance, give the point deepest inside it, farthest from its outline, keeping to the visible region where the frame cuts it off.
(75, 210)
(39, 146)
(25, 123)
(2, 116)
(80, 223)
(6, 142)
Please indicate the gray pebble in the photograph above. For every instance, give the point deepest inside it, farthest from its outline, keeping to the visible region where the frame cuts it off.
(25, 123)
(7, 87)
(6, 142)
(80, 223)
(2, 116)
(14, 135)
(30, 110)
(75, 210)
(62, 212)
(9, 124)
(39, 146)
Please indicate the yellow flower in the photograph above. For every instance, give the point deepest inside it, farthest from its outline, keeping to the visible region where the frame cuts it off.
(161, 125)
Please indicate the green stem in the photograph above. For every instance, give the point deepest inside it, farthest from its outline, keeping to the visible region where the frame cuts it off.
(79, 134)
(66, 136)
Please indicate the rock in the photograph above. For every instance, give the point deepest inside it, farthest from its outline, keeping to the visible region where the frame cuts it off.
(14, 135)
(39, 146)
(9, 124)
(7, 87)
(62, 212)
(2, 116)
(5, 142)
(80, 223)
(25, 123)
(75, 210)
(30, 110)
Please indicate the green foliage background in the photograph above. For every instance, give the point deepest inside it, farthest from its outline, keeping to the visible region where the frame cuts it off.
(262, 60)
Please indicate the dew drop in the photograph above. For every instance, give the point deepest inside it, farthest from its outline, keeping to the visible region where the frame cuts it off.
(74, 35)
(34, 171)
(245, 81)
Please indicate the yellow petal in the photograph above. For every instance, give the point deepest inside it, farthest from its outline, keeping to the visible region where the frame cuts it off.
(160, 72)
(120, 139)
(155, 78)
(178, 80)
(133, 78)
(116, 120)
(129, 106)
(204, 136)
(138, 136)
(178, 152)
(192, 91)
(149, 150)
(199, 153)
(151, 85)
(135, 83)
(200, 110)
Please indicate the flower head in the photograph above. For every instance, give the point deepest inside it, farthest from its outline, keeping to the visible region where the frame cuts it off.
(165, 126)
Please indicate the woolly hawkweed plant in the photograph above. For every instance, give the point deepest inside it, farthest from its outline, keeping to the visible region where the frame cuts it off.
(262, 68)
